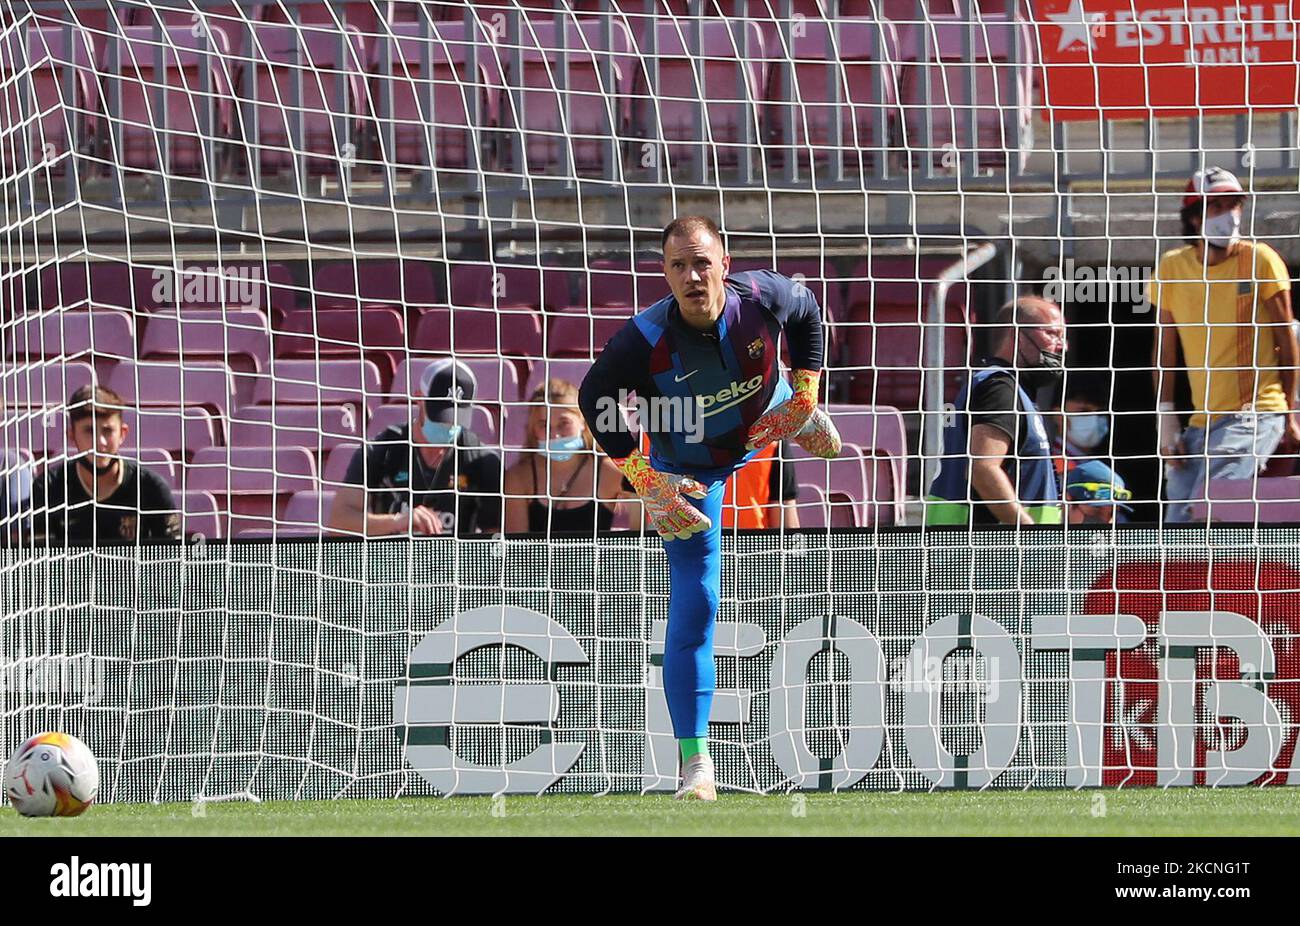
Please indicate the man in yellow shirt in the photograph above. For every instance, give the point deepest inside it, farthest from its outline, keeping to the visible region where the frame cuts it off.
(1229, 300)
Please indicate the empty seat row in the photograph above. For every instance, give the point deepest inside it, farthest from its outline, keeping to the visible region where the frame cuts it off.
(524, 96)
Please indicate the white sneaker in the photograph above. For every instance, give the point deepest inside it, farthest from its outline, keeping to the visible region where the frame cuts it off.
(697, 780)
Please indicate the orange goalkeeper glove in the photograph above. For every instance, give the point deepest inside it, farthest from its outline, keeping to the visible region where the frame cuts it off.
(672, 516)
(798, 419)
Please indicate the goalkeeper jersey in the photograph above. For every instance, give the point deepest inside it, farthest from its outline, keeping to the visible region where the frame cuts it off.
(700, 390)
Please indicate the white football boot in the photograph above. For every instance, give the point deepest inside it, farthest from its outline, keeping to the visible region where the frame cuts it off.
(697, 780)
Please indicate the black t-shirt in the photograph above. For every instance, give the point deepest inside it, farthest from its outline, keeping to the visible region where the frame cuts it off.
(995, 401)
(141, 508)
(465, 489)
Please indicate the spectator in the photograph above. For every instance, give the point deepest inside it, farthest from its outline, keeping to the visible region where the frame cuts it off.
(444, 482)
(764, 493)
(997, 459)
(1229, 301)
(1093, 492)
(1083, 427)
(100, 495)
(557, 484)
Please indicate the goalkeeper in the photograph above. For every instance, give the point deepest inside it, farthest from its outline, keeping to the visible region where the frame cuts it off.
(704, 363)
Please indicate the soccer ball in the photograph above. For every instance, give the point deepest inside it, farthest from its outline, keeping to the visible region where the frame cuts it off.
(52, 775)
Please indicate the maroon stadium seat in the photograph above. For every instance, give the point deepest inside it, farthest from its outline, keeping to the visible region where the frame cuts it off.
(867, 94)
(583, 334)
(512, 332)
(950, 108)
(251, 470)
(572, 370)
(90, 284)
(317, 428)
(230, 335)
(201, 383)
(403, 285)
(46, 384)
(410, 126)
(324, 382)
(876, 429)
(376, 333)
(510, 286)
(726, 106)
(63, 124)
(811, 506)
(201, 516)
(102, 333)
(866, 480)
(205, 287)
(330, 113)
(157, 461)
(568, 111)
(336, 466)
(309, 507)
(180, 431)
(198, 104)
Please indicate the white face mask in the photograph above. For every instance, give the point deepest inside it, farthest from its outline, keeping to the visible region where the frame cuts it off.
(1086, 431)
(1222, 230)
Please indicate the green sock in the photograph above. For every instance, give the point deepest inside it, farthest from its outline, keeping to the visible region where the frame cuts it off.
(693, 746)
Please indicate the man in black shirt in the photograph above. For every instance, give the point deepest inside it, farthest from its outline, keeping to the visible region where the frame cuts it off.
(445, 482)
(99, 496)
(997, 465)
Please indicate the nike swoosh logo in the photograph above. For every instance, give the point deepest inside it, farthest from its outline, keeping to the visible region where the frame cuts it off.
(679, 379)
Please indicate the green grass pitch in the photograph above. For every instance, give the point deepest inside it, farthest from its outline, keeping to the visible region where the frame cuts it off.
(1139, 812)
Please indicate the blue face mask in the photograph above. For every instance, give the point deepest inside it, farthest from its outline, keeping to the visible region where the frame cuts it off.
(562, 448)
(435, 432)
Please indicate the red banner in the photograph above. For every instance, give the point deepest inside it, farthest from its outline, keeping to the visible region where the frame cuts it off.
(1135, 59)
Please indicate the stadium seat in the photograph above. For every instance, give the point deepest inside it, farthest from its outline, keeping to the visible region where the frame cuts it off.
(208, 287)
(406, 285)
(311, 507)
(336, 465)
(200, 515)
(202, 383)
(726, 101)
(423, 117)
(811, 506)
(571, 370)
(182, 432)
(843, 510)
(324, 382)
(330, 77)
(583, 334)
(103, 334)
(87, 284)
(316, 428)
(60, 124)
(510, 286)
(45, 384)
(951, 111)
(877, 429)
(239, 337)
(858, 59)
(198, 104)
(376, 333)
(863, 478)
(572, 115)
(515, 333)
(251, 470)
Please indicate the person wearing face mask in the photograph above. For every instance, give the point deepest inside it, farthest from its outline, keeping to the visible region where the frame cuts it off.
(99, 495)
(561, 484)
(1082, 428)
(997, 457)
(1226, 300)
(435, 478)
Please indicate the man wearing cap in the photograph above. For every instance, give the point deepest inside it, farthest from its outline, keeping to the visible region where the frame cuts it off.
(438, 480)
(997, 457)
(1092, 493)
(1229, 300)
